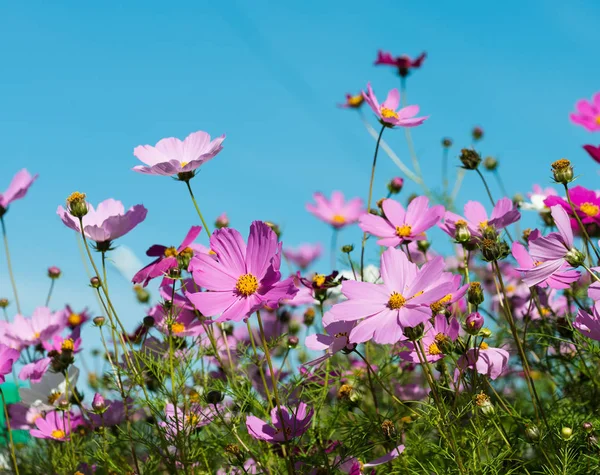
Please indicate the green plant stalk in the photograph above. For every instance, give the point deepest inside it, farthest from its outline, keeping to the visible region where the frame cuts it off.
(10, 437)
(9, 265)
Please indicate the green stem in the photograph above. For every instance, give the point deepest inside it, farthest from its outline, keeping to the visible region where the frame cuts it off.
(10, 437)
(487, 188)
(50, 291)
(9, 265)
(334, 237)
(187, 182)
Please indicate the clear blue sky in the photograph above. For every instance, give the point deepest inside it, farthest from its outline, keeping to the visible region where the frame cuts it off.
(83, 83)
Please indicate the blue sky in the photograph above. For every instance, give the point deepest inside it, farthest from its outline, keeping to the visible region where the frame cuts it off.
(83, 83)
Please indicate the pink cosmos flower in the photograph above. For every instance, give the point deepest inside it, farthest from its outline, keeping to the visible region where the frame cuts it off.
(589, 325)
(561, 279)
(387, 112)
(399, 225)
(486, 360)
(243, 279)
(476, 218)
(401, 301)
(304, 255)
(434, 338)
(404, 63)
(171, 156)
(35, 371)
(59, 344)
(354, 467)
(16, 190)
(75, 319)
(593, 151)
(335, 340)
(588, 113)
(553, 252)
(587, 205)
(336, 212)
(8, 357)
(537, 196)
(107, 222)
(42, 325)
(169, 257)
(184, 320)
(186, 421)
(353, 102)
(294, 424)
(56, 425)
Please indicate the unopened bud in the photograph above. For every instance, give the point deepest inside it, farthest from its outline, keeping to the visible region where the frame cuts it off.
(53, 272)
(566, 433)
(67, 345)
(587, 427)
(99, 321)
(470, 159)
(477, 133)
(485, 332)
(475, 294)
(141, 294)
(222, 221)
(292, 341)
(309, 316)
(532, 433)
(562, 171)
(348, 248)
(575, 257)
(214, 397)
(95, 282)
(474, 323)
(483, 402)
(149, 321)
(345, 392)
(293, 327)
(98, 404)
(3, 303)
(388, 429)
(76, 205)
(423, 245)
(395, 185)
(233, 449)
(414, 333)
(446, 142)
(461, 232)
(490, 164)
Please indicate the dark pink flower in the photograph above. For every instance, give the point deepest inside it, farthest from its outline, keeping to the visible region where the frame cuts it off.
(35, 371)
(56, 425)
(335, 340)
(242, 279)
(434, 339)
(387, 112)
(587, 205)
(171, 156)
(75, 319)
(588, 113)
(294, 424)
(17, 189)
(8, 357)
(404, 63)
(304, 255)
(59, 344)
(353, 102)
(399, 225)
(561, 279)
(589, 325)
(593, 151)
(336, 211)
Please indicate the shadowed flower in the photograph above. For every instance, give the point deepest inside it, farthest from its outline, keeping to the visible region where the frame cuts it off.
(400, 225)
(242, 279)
(404, 63)
(56, 425)
(171, 156)
(387, 112)
(17, 189)
(294, 424)
(336, 211)
(304, 255)
(8, 357)
(588, 113)
(335, 340)
(589, 325)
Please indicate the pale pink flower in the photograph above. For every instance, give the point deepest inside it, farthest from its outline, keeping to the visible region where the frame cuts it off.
(337, 212)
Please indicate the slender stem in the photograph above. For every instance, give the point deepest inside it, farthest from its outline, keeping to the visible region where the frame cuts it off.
(50, 291)
(586, 236)
(334, 237)
(10, 437)
(487, 188)
(352, 266)
(259, 364)
(500, 182)
(445, 170)
(460, 176)
(197, 208)
(9, 265)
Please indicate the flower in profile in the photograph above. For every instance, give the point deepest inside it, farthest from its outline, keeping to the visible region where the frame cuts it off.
(304, 255)
(56, 425)
(399, 225)
(587, 205)
(588, 113)
(41, 326)
(8, 357)
(16, 190)
(335, 340)
(107, 222)
(401, 301)
(51, 390)
(436, 340)
(337, 212)
(404, 63)
(552, 253)
(242, 279)
(353, 102)
(387, 112)
(294, 424)
(171, 156)
(593, 151)
(59, 344)
(589, 325)
(169, 257)
(485, 359)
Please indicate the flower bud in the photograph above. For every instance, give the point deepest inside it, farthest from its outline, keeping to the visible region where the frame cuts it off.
(395, 185)
(309, 316)
(98, 404)
(489, 232)
(414, 333)
(292, 341)
(149, 321)
(562, 171)
(462, 234)
(446, 142)
(214, 397)
(490, 164)
(485, 332)
(3, 303)
(423, 245)
(348, 248)
(222, 221)
(526, 234)
(477, 133)
(566, 433)
(474, 323)
(470, 159)
(53, 272)
(532, 433)
(141, 294)
(587, 427)
(67, 345)
(483, 402)
(388, 429)
(233, 449)
(475, 294)
(575, 257)
(99, 321)
(293, 327)
(76, 205)
(95, 282)
(345, 392)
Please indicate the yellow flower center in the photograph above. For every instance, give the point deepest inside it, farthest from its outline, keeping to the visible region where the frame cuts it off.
(247, 285)
(438, 307)
(510, 288)
(177, 327)
(545, 311)
(484, 346)
(388, 113)
(482, 399)
(461, 222)
(58, 434)
(192, 419)
(404, 230)
(36, 335)
(183, 164)
(53, 397)
(441, 338)
(356, 101)
(212, 253)
(396, 301)
(340, 334)
(482, 224)
(74, 319)
(590, 209)
(598, 120)
(434, 350)
(338, 219)
(319, 279)
(76, 196)
(170, 252)
(68, 345)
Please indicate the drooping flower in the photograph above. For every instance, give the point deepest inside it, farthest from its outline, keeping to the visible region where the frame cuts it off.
(587, 205)
(593, 151)
(294, 424)
(485, 359)
(353, 102)
(399, 225)
(404, 63)
(169, 257)
(41, 326)
(8, 357)
(17, 189)
(589, 325)
(171, 156)
(335, 340)
(387, 112)
(242, 279)
(588, 113)
(304, 255)
(401, 301)
(51, 390)
(35, 371)
(337, 212)
(107, 222)
(435, 340)
(561, 279)
(56, 425)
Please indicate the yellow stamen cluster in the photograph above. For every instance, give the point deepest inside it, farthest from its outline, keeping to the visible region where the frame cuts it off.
(561, 164)
(482, 399)
(75, 197)
(58, 434)
(177, 327)
(590, 209)
(404, 230)
(341, 334)
(37, 335)
(434, 350)
(355, 101)
(53, 397)
(170, 252)
(440, 305)
(345, 391)
(388, 113)
(461, 222)
(338, 219)
(247, 285)
(598, 120)
(441, 338)
(396, 301)
(483, 224)
(68, 345)
(74, 319)
(183, 164)
(319, 280)
(484, 346)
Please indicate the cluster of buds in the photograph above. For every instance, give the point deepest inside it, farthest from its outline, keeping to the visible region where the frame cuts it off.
(492, 247)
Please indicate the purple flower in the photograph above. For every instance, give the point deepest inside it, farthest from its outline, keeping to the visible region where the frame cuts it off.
(106, 223)
(35, 371)
(401, 301)
(16, 190)
(589, 325)
(404, 63)
(434, 341)
(486, 360)
(243, 279)
(171, 156)
(56, 425)
(398, 225)
(336, 339)
(337, 212)
(8, 357)
(386, 112)
(588, 113)
(294, 424)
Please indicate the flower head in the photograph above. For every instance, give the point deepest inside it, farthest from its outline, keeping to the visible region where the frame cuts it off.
(35, 371)
(335, 340)
(294, 424)
(589, 325)
(404, 63)
(41, 326)
(387, 112)
(353, 102)
(588, 113)
(8, 357)
(56, 425)
(178, 420)
(17, 189)
(436, 340)
(485, 359)
(337, 212)
(587, 205)
(304, 255)
(51, 390)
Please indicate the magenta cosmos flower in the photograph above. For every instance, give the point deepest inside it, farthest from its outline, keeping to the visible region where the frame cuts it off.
(552, 253)
(17, 189)
(476, 218)
(107, 222)
(588, 113)
(353, 466)
(589, 325)
(335, 339)
(8, 357)
(486, 360)
(561, 279)
(171, 156)
(56, 425)
(242, 279)
(404, 63)
(401, 301)
(434, 338)
(304, 255)
(169, 257)
(593, 151)
(337, 212)
(400, 225)
(34, 372)
(294, 424)
(387, 112)
(353, 102)
(587, 205)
